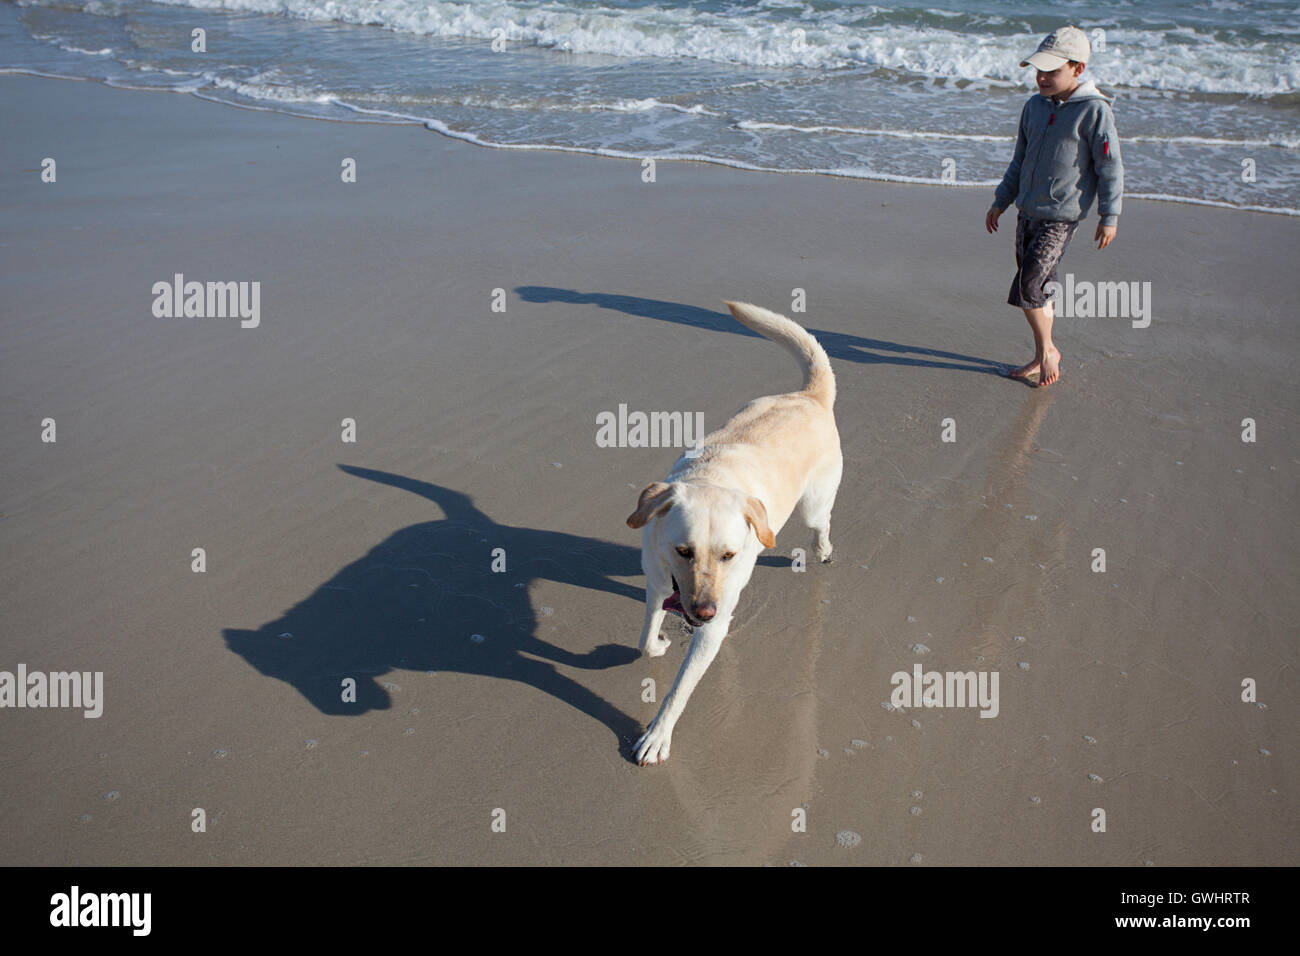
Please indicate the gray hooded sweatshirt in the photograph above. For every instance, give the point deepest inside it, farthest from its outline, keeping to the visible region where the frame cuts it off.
(1066, 154)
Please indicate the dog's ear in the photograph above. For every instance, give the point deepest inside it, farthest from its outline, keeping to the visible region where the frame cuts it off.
(756, 515)
(656, 498)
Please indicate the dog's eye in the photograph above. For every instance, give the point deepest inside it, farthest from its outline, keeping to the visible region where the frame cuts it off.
(729, 555)
(686, 552)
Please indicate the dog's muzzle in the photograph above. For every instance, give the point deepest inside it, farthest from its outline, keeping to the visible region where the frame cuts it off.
(673, 605)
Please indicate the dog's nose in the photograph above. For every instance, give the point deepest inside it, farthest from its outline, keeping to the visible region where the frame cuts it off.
(705, 612)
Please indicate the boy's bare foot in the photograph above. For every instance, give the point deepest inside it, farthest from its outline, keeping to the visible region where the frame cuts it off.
(1051, 368)
(1025, 371)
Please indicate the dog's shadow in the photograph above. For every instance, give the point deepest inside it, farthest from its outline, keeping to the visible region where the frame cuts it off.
(838, 345)
(428, 599)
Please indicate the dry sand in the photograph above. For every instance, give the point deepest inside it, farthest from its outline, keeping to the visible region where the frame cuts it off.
(476, 430)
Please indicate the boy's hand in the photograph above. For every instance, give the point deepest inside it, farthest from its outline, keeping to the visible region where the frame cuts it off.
(1104, 235)
(991, 219)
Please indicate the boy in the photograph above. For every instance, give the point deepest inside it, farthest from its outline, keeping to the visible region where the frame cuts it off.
(1067, 153)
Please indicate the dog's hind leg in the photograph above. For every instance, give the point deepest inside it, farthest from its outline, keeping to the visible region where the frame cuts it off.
(816, 504)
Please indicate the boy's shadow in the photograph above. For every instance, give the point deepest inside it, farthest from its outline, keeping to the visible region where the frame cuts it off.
(838, 345)
(416, 601)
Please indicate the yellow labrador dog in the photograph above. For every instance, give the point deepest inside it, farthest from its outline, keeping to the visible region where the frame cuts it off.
(702, 529)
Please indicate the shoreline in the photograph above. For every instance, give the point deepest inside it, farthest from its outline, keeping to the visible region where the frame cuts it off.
(472, 139)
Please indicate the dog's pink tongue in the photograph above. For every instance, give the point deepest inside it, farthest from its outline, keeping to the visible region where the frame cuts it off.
(674, 603)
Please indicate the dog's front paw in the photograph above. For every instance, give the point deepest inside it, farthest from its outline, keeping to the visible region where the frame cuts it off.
(822, 546)
(654, 744)
(656, 646)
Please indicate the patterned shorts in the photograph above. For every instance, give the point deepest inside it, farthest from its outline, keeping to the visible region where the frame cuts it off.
(1040, 243)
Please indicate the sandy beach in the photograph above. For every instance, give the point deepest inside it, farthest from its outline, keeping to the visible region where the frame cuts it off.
(472, 312)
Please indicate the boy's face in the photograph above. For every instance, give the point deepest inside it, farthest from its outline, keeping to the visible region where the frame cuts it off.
(1058, 81)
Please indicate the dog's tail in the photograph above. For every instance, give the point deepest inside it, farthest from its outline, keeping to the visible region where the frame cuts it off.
(818, 379)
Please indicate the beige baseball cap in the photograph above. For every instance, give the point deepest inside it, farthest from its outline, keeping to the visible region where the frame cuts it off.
(1058, 48)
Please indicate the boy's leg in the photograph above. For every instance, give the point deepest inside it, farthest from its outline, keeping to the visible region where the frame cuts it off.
(1024, 233)
(1039, 247)
(1047, 357)
(1040, 320)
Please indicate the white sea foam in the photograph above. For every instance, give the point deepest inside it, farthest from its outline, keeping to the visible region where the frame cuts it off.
(106, 51)
(256, 87)
(1282, 140)
(1169, 58)
(1196, 201)
(869, 131)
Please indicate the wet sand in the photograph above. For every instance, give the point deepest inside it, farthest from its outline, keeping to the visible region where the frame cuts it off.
(475, 430)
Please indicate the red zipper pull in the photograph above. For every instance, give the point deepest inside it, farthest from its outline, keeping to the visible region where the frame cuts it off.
(1051, 119)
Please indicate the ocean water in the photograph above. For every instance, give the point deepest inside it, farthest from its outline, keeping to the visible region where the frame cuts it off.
(1207, 91)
